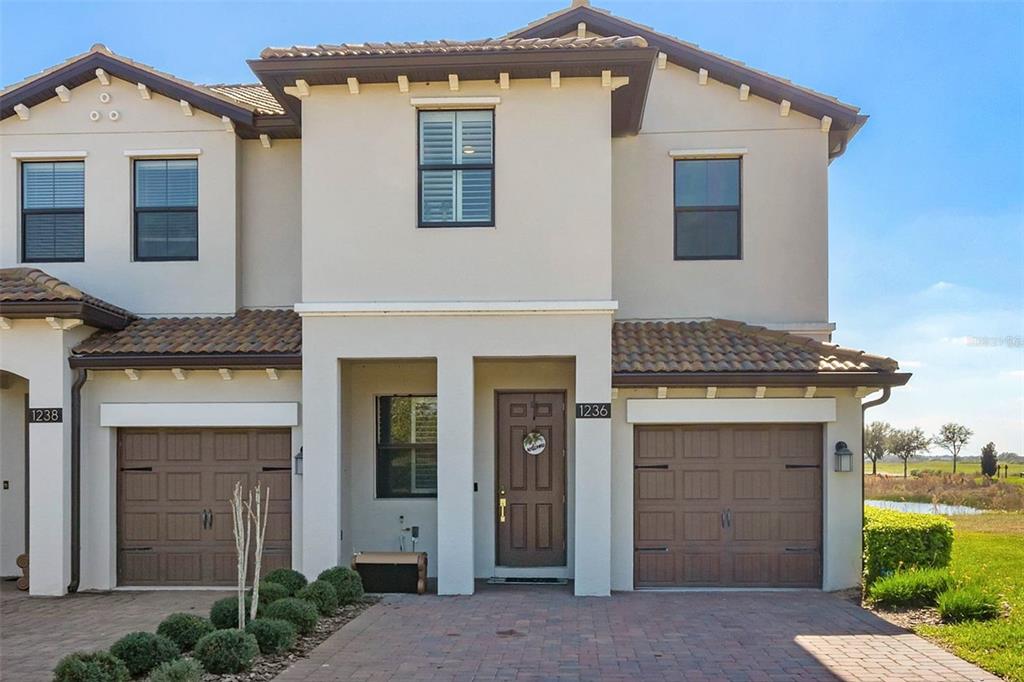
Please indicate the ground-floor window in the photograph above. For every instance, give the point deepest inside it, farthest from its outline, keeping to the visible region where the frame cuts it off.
(407, 446)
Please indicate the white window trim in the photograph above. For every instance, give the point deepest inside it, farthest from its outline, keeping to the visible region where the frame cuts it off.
(730, 410)
(725, 153)
(454, 102)
(199, 414)
(50, 156)
(161, 153)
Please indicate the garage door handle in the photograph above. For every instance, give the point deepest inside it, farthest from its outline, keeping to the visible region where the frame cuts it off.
(801, 550)
(651, 549)
(136, 468)
(651, 466)
(136, 549)
(277, 468)
(803, 466)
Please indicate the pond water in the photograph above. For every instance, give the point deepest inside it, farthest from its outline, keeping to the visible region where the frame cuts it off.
(923, 507)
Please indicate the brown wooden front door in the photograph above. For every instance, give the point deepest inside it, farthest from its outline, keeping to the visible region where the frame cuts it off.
(531, 479)
(174, 513)
(736, 505)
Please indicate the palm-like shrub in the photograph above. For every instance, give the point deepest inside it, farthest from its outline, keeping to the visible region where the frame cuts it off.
(143, 651)
(98, 666)
(226, 651)
(347, 584)
(184, 629)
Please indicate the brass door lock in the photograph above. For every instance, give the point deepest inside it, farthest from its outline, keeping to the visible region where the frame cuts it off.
(502, 503)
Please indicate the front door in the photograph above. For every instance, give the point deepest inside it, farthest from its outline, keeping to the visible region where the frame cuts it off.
(531, 479)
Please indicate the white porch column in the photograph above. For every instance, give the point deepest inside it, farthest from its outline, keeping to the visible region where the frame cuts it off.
(593, 474)
(321, 458)
(842, 500)
(455, 474)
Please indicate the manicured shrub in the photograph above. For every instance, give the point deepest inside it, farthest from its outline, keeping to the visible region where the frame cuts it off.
(896, 541)
(224, 612)
(293, 581)
(916, 587)
(299, 612)
(273, 636)
(98, 666)
(184, 629)
(346, 582)
(226, 651)
(181, 670)
(143, 651)
(271, 592)
(323, 596)
(970, 602)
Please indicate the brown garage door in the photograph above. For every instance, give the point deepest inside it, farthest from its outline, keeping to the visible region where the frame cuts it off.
(732, 505)
(174, 513)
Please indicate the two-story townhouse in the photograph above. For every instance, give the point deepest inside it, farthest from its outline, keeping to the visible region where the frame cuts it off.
(546, 306)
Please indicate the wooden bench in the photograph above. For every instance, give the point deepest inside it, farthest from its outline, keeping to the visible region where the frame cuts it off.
(392, 571)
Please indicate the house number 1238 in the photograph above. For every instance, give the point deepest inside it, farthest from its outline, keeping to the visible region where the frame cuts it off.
(593, 410)
(45, 415)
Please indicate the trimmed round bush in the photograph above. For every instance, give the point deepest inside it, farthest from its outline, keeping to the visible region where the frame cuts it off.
(181, 670)
(273, 636)
(299, 612)
(916, 587)
(271, 592)
(97, 666)
(224, 612)
(184, 629)
(895, 541)
(293, 581)
(323, 596)
(347, 584)
(226, 651)
(143, 651)
(967, 603)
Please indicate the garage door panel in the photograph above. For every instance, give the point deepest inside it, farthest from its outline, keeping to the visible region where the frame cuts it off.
(279, 482)
(799, 443)
(800, 569)
(799, 526)
(655, 568)
(141, 486)
(700, 568)
(656, 444)
(183, 487)
(656, 526)
(183, 568)
(224, 484)
(752, 485)
(703, 444)
(753, 526)
(141, 446)
(655, 484)
(184, 526)
(184, 446)
(142, 527)
(799, 484)
(140, 568)
(752, 443)
(754, 569)
(701, 485)
(702, 526)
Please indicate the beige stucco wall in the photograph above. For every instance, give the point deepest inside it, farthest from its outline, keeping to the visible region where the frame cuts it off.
(783, 274)
(271, 222)
(99, 447)
(208, 285)
(13, 390)
(552, 198)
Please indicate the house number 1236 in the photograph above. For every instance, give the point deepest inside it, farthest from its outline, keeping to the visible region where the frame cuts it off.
(593, 410)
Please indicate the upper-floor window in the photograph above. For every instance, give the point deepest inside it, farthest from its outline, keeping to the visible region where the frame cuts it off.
(52, 211)
(707, 209)
(166, 209)
(407, 446)
(456, 166)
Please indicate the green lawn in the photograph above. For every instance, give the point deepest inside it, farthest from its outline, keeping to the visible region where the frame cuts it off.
(989, 548)
(896, 467)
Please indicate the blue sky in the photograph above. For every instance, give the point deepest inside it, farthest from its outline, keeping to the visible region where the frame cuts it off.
(926, 207)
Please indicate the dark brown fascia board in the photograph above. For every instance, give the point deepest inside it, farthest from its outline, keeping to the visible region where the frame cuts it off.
(187, 361)
(844, 118)
(627, 102)
(278, 126)
(84, 70)
(92, 315)
(750, 379)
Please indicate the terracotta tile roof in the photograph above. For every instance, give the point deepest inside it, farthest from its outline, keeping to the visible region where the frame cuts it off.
(31, 285)
(728, 346)
(245, 332)
(451, 46)
(253, 95)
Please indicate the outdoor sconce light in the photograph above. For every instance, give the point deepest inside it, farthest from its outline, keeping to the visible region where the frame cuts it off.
(298, 463)
(844, 457)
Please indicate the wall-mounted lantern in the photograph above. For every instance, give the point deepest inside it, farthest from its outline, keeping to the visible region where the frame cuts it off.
(844, 457)
(297, 470)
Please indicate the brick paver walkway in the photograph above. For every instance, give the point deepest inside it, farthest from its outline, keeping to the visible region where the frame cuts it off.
(544, 633)
(36, 632)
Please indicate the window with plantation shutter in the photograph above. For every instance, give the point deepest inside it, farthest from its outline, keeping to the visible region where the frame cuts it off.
(53, 211)
(166, 209)
(456, 166)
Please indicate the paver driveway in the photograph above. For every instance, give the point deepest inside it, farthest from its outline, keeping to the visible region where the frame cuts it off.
(541, 633)
(36, 632)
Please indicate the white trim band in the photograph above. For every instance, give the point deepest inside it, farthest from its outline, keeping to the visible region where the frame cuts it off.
(707, 153)
(730, 410)
(162, 153)
(385, 308)
(49, 155)
(451, 102)
(199, 414)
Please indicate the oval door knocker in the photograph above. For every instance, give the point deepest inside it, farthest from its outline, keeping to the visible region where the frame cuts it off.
(534, 443)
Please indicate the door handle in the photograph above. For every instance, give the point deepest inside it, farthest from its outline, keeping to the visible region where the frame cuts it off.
(728, 518)
(207, 519)
(502, 503)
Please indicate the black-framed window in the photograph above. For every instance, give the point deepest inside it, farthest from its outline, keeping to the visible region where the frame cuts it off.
(707, 209)
(166, 209)
(407, 446)
(52, 211)
(456, 168)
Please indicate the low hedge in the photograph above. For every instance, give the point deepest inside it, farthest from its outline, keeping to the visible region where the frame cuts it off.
(273, 636)
(184, 629)
(143, 651)
(292, 580)
(896, 541)
(97, 666)
(299, 612)
(181, 670)
(916, 587)
(346, 582)
(323, 596)
(227, 651)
